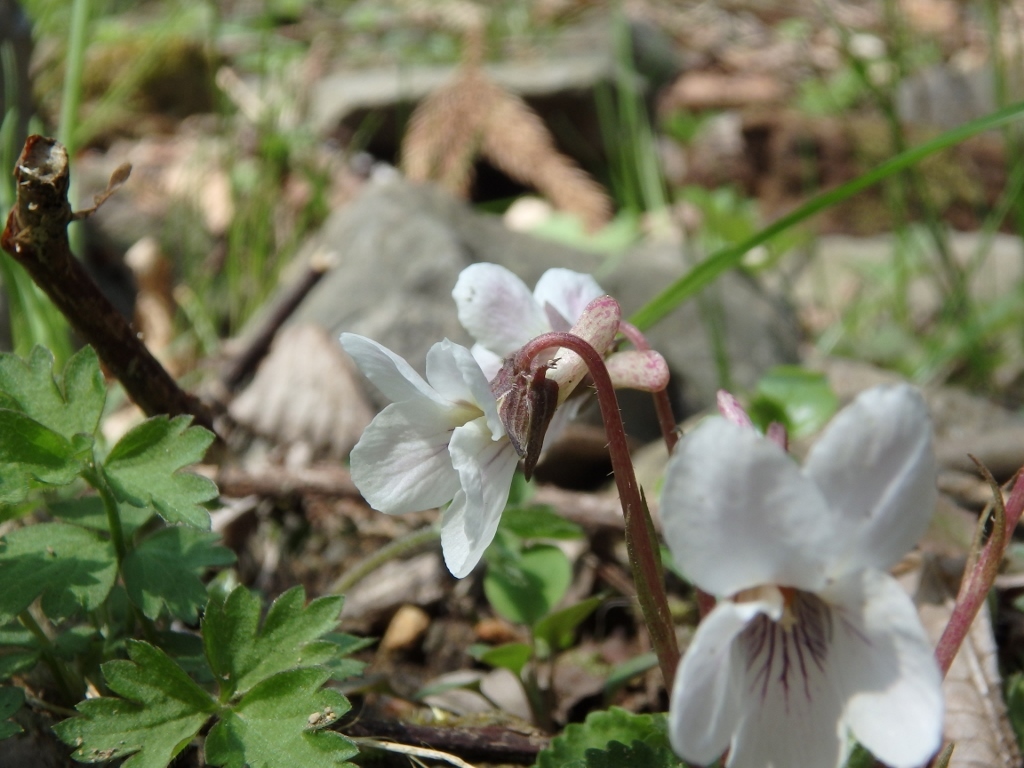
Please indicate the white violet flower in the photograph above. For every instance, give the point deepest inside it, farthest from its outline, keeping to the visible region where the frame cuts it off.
(500, 312)
(811, 641)
(437, 442)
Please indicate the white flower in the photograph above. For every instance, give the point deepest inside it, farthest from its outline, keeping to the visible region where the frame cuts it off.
(437, 442)
(811, 640)
(502, 315)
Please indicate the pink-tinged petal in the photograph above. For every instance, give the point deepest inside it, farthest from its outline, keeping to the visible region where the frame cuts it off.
(875, 465)
(645, 370)
(564, 294)
(792, 705)
(394, 377)
(497, 308)
(401, 463)
(485, 467)
(731, 409)
(708, 693)
(598, 326)
(887, 670)
(738, 513)
(455, 374)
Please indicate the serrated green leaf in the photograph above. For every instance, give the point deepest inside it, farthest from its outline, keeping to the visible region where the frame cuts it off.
(69, 566)
(558, 629)
(510, 656)
(32, 454)
(89, 512)
(11, 700)
(242, 653)
(164, 570)
(159, 714)
(70, 407)
(539, 523)
(618, 755)
(342, 667)
(278, 724)
(525, 589)
(144, 469)
(599, 730)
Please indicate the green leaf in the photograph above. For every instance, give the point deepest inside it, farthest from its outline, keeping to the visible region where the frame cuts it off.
(11, 700)
(31, 454)
(526, 589)
(618, 755)
(143, 469)
(510, 656)
(70, 407)
(89, 512)
(162, 710)
(164, 570)
(342, 667)
(599, 730)
(242, 653)
(801, 400)
(557, 630)
(278, 724)
(539, 523)
(69, 566)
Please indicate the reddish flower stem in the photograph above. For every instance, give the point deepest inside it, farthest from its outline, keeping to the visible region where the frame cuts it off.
(978, 579)
(662, 404)
(641, 542)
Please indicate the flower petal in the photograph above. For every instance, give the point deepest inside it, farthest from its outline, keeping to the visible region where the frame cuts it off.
(707, 695)
(875, 465)
(738, 513)
(645, 370)
(394, 377)
(456, 375)
(485, 467)
(489, 362)
(497, 308)
(887, 670)
(401, 463)
(564, 294)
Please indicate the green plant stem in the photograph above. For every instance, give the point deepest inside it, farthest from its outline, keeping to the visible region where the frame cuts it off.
(641, 544)
(396, 549)
(726, 258)
(94, 477)
(71, 686)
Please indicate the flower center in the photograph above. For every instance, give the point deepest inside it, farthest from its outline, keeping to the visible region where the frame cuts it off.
(783, 655)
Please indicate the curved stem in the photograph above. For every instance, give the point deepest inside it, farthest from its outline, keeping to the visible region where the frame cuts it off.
(641, 543)
(662, 404)
(71, 686)
(392, 551)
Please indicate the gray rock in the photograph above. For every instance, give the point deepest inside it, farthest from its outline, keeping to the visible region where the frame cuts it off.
(399, 249)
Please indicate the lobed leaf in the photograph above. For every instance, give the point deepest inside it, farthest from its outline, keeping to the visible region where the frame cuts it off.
(69, 566)
(278, 723)
(144, 469)
(69, 407)
(598, 731)
(164, 570)
(243, 654)
(618, 755)
(32, 454)
(161, 712)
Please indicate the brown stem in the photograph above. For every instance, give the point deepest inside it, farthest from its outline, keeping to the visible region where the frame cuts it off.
(641, 541)
(36, 236)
